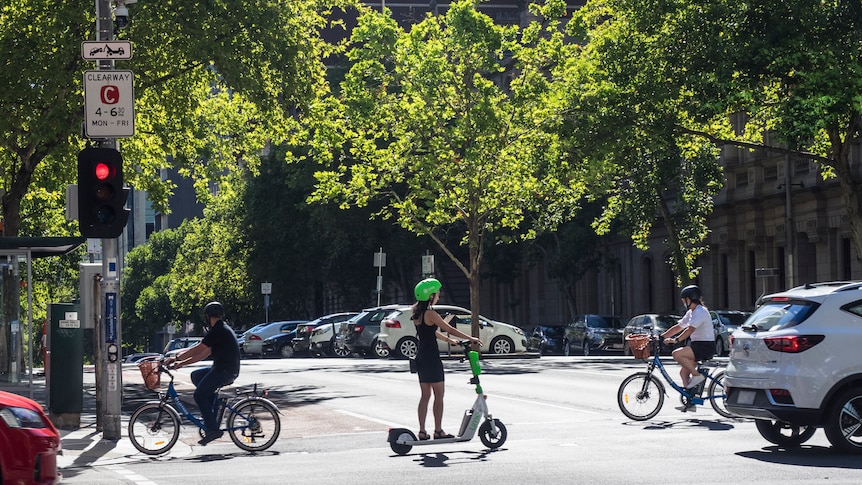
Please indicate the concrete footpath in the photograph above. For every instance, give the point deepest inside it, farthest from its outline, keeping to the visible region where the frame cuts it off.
(84, 446)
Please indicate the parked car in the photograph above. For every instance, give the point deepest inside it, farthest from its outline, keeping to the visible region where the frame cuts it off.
(794, 366)
(135, 358)
(253, 342)
(587, 333)
(722, 336)
(361, 333)
(399, 334)
(280, 344)
(547, 339)
(647, 323)
(321, 338)
(240, 339)
(177, 345)
(29, 442)
(731, 319)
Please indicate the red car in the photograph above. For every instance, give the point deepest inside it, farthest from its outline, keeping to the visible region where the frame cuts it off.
(29, 442)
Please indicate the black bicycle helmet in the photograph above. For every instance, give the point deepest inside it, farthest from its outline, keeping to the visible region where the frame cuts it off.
(214, 309)
(692, 292)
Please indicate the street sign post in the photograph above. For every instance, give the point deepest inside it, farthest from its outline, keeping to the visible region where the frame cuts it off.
(109, 104)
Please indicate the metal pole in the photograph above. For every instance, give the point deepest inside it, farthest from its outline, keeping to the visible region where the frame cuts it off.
(790, 232)
(30, 317)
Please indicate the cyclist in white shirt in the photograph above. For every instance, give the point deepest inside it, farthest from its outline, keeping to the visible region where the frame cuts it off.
(696, 324)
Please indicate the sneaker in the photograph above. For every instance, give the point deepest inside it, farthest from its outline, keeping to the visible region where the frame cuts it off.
(691, 408)
(210, 436)
(695, 381)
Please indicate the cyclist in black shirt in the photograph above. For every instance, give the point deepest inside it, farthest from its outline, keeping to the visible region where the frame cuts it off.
(221, 343)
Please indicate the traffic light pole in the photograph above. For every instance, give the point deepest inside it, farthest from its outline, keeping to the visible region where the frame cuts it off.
(110, 331)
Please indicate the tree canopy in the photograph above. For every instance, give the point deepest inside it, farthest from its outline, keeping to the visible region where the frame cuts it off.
(444, 123)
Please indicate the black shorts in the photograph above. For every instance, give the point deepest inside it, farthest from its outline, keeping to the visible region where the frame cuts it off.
(703, 350)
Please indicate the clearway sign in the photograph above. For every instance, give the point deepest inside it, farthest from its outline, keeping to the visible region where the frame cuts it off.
(109, 104)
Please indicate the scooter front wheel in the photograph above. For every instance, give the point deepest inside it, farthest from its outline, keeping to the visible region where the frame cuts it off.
(403, 435)
(489, 438)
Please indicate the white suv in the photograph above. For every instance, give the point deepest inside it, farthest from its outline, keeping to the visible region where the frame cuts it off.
(398, 333)
(794, 366)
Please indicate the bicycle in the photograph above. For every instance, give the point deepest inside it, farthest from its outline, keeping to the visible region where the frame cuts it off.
(253, 421)
(641, 395)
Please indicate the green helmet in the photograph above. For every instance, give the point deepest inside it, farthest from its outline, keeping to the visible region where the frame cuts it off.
(425, 288)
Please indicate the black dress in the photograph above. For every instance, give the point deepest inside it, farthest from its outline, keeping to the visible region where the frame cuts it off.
(428, 363)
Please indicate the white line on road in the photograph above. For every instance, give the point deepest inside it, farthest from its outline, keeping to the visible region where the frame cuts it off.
(369, 418)
(539, 403)
(131, 476)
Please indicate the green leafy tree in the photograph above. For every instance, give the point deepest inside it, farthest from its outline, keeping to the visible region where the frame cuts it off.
(429, 127)
(625, 108)
(146, 287)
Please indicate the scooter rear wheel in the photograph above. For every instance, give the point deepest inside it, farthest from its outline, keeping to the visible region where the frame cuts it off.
(399, 448)
(490, 439)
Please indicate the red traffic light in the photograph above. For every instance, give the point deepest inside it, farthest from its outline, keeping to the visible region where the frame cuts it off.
(102, 171)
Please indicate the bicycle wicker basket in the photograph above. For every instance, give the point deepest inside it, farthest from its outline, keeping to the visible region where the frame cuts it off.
(151, 374)
(639, 344)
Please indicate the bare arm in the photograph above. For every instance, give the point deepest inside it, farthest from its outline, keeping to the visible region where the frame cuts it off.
(191, 355)
(444, 325)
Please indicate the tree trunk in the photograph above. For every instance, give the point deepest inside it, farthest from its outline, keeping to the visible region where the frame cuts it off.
(673, 244)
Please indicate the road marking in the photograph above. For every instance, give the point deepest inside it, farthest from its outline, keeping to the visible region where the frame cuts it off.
(129, 475)
(564, 408)
(369, 418)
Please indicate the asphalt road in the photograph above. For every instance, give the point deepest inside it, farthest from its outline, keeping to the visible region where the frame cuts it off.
(561, 414)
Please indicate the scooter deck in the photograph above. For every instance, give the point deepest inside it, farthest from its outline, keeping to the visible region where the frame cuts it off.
(437, 441)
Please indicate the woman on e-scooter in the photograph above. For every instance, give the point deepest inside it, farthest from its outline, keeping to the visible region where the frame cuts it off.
(430, 327)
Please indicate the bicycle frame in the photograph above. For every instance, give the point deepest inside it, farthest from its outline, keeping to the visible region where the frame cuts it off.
(171, 398)
(690, 394)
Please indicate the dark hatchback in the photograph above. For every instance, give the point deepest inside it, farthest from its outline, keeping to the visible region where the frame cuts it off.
(592, 332)
(360, 334)
(655, 323)
(547, 339)
(279, 345)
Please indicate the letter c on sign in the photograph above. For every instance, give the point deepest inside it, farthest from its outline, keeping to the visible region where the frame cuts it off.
(110, 94)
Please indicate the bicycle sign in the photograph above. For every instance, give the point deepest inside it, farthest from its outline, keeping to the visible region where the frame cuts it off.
(109, 104)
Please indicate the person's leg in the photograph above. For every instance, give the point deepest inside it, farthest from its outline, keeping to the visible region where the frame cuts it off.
(439, 389)
(425, 387)
(205, 395)
(685, 358)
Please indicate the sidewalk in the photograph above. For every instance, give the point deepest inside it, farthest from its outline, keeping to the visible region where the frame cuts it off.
(84, 447)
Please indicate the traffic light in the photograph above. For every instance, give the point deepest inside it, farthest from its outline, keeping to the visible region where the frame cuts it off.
(101, 196)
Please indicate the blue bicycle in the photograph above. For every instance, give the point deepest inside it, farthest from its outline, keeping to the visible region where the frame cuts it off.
(641, 395)
(253, 421)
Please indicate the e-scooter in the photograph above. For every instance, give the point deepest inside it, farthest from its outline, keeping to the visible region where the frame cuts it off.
(492, 432)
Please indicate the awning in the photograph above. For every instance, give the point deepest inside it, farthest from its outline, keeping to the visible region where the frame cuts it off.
(40, 247)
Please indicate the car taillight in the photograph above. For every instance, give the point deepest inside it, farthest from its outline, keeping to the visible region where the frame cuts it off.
(253, 337)
(781, 396)
(793, 343)
(392, 323)
(358, 328)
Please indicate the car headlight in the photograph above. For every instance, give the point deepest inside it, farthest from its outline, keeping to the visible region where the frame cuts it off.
(21, 418)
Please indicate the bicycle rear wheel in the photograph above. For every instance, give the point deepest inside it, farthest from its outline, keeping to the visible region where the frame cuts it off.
(717, 395)
(640, 396)
(254, 424)
(154, 428)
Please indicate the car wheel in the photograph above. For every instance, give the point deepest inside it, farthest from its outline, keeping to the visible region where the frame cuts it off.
(627, 350)
(585, 348)
(286, 351)
(340, 351)
(408, 347)
(566, 350)
(784, 434)
(380, 349)
(502, 345)
(843, 422)
(719, 347)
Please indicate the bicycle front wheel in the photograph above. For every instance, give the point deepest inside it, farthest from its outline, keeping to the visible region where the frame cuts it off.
(254, 424)
(717, 395)
(640, 396)
(154, 428)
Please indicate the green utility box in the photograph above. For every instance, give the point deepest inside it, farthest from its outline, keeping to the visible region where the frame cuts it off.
(65, 367)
